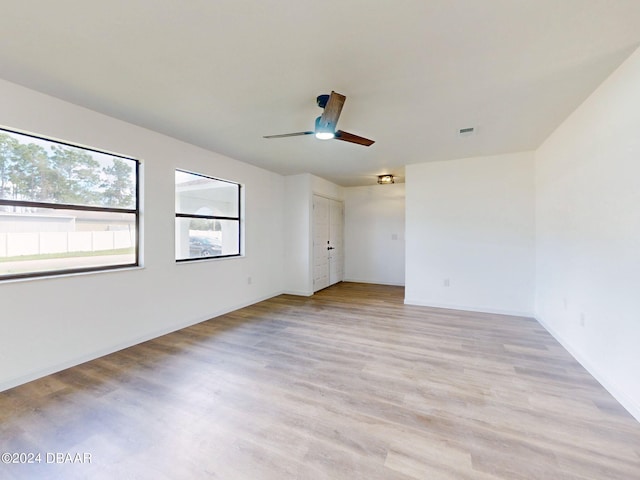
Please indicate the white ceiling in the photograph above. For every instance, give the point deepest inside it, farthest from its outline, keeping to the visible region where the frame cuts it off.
(223, 73)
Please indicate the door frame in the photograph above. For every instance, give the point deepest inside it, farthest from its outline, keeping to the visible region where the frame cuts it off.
(313, 233)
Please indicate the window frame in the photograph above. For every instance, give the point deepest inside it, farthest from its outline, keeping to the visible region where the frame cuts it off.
(213, 217)
(65, 206)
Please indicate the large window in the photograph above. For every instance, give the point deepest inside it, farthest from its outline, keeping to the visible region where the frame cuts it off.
(64, 208)
(207, 217)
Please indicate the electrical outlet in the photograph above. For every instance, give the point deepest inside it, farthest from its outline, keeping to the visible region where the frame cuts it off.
(249, 280)
(583, 319)
(446, 282)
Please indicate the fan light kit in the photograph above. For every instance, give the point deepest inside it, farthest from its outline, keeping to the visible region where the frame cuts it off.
(326, 123)
(385, 179)
(325, 135)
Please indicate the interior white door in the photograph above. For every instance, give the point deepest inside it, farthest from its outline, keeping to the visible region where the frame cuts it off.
(320, 239)
(328, 254)
(336, 250)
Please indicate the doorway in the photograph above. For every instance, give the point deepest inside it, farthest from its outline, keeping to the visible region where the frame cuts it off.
(328, 244)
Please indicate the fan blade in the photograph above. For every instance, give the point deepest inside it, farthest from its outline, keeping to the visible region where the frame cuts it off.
(331, 114)
(350, 137)
(288, 135)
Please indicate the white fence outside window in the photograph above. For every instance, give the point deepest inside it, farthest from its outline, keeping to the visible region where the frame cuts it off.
(14, 244)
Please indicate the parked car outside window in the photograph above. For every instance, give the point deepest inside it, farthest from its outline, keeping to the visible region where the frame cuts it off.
(203, 247)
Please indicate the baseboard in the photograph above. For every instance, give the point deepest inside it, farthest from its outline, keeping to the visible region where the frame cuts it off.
(373, 282)
(299, 293)
(36, 374)
(628, 403)
(464, 308)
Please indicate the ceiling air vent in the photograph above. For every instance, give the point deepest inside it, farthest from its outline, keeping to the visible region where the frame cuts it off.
(465, 132)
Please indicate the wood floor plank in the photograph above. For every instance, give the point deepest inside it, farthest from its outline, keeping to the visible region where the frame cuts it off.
(347, 384)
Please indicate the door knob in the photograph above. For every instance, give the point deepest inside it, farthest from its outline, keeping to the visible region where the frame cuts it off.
(331, 248)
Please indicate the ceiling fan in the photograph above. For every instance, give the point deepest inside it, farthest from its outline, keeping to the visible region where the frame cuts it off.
(326, 123)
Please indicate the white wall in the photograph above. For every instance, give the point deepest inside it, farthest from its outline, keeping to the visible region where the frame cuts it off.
(470, 223)
(588, 234)
(52, 323)
(325, 188)
(297, 239)
(374, 234)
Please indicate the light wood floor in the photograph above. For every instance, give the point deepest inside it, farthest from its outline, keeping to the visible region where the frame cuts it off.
(348, 384)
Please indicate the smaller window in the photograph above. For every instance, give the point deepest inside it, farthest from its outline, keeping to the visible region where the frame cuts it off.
(207, 217)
